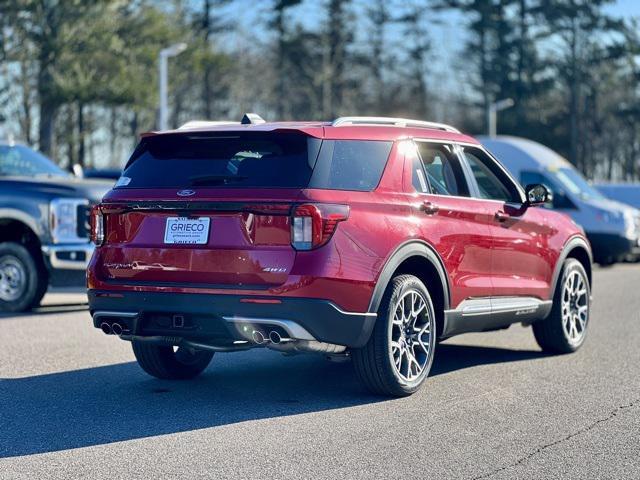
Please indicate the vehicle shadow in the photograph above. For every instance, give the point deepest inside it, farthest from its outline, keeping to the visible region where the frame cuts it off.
(452, 357)
(49, 310)
(101, 405)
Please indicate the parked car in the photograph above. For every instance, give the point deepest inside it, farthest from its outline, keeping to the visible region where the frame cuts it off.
(368, 237)
(44, 226)
(612, 228)
(104, 173)
(628, 193)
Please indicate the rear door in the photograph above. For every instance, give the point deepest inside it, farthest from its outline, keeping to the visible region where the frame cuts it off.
(451, 220)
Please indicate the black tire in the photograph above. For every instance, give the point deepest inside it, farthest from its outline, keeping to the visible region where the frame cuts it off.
(551, 333)
(374, 364)
(27, 292)
(165, 363)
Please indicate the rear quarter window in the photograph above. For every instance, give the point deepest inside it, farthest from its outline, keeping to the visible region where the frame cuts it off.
(350, 164)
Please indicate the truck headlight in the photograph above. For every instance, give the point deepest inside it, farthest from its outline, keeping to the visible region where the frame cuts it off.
(63, 219)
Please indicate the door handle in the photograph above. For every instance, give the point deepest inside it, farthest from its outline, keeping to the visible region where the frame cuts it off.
(429, 208)
(502, 216)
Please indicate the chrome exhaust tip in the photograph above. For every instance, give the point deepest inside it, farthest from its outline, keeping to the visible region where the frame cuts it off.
(275, 337)
(257, 337)
(117, 329)
(106, 328)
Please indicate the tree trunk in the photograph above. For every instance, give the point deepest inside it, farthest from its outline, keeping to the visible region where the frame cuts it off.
(26, 122)
(280, 65)
(81, 142)
(206, 87)
(134, 126)
(574, 98)
(48, 113)
(70, 134)
(486, 94)
(113, 133)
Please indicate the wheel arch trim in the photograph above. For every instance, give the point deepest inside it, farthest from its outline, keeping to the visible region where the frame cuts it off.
(575, 242)
(412, 248)
(13, 215)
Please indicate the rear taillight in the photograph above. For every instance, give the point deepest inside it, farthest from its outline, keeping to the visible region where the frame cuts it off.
(312, 225)
(97, 225)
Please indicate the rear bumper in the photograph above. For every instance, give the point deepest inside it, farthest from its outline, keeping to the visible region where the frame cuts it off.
(207, 316)
(68, 257)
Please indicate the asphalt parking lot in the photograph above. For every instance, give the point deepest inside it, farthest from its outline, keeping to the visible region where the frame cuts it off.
(74, 404)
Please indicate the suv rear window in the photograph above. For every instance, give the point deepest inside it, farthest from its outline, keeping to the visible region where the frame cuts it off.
(259, 160)
(230, 160)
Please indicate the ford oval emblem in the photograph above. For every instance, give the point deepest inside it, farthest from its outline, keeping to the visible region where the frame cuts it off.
(186, 193)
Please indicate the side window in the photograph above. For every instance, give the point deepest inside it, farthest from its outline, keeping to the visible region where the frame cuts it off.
(438, 171)
(492, 183)
(350, 164)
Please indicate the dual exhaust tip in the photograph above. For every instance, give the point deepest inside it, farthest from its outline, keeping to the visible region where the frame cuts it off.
(258, 337)
(111, 329)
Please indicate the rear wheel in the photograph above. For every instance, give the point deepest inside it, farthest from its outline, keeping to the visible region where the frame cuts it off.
(565, 329)
(170, 363)
(398, 356)
(22, 282)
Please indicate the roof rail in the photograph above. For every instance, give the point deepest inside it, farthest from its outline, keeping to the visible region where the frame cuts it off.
(205, 123)
(398, 122)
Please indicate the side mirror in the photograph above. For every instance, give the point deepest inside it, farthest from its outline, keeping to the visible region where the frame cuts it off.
(538, 194)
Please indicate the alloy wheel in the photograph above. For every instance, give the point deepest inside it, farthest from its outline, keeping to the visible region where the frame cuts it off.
(575, 307)
(411, 335)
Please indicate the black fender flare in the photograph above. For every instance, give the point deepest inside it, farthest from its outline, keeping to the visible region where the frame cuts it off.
(569, 246)
(412, 248)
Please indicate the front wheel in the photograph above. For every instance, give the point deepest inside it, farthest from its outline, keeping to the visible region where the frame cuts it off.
(565, 329)
(398, 356)
(23, 282)
(170, 363)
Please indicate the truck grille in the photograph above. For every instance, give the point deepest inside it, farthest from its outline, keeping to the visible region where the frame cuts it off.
(83, 226)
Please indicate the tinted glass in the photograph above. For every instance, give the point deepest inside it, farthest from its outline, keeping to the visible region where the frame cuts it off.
(441, 170)
(350, 164)
(235, 160)
(18, 160)
(487, 177)
(575, 183)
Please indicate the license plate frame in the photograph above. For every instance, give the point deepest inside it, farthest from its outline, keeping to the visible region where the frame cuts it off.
(187, 231)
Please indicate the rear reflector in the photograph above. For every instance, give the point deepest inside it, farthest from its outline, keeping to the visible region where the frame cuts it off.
(260, 300)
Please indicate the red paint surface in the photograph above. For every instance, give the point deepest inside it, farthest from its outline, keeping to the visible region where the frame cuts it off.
(250, 253)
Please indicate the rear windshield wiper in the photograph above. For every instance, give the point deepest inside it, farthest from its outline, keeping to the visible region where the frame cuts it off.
(215, 179)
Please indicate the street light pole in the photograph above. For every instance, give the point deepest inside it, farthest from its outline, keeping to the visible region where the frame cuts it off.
(165, 53)
(492, 114)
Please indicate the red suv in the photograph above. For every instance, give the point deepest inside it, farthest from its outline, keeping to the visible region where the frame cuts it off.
(367, 237)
